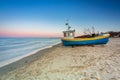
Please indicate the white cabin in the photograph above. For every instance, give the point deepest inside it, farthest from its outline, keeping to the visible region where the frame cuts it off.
(69, 33)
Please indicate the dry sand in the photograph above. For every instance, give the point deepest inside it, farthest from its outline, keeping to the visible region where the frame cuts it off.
(78, 63)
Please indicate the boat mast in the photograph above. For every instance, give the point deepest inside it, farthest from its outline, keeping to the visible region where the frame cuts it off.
(69, 33)
(67, 24)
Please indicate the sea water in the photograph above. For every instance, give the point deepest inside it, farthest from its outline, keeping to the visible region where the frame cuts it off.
(13, 49)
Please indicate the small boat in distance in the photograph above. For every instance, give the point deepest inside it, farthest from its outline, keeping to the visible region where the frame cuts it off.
(69, 38)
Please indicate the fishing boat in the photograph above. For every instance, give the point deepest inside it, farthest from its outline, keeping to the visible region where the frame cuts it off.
(69, 39)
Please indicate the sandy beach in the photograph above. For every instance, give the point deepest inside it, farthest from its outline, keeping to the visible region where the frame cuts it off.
(67, 63)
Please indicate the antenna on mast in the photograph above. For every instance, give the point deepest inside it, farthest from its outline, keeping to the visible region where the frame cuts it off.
(67, 24)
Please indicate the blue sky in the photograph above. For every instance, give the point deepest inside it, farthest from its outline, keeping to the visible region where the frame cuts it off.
(47, 17)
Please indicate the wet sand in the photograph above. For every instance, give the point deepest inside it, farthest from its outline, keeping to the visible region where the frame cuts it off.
(67, 63)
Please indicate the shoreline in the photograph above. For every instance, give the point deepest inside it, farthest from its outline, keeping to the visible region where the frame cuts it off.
(27, 59)
(7, 62)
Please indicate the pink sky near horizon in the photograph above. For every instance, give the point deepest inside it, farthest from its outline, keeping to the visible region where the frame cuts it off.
(29, 29)
(29, 34)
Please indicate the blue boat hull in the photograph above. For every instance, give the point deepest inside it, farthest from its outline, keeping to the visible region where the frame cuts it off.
(86, 42)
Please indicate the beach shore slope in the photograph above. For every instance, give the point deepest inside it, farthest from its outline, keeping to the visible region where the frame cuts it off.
(67, 63)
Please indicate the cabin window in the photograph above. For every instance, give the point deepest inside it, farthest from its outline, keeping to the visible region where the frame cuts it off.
(64, 34)
(71, 34)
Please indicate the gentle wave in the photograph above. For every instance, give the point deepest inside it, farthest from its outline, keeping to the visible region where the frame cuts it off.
(12, 49)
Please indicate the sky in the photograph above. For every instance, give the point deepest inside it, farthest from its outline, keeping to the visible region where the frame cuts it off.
(47, 18)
